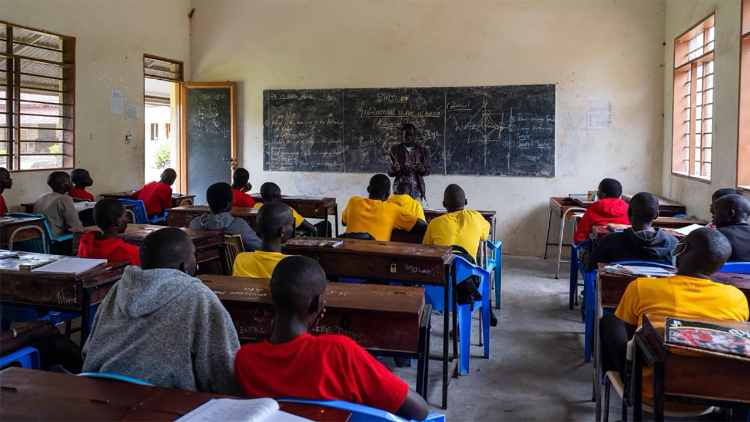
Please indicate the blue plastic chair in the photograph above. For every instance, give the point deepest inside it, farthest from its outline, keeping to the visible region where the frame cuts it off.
(116, 377)
(50, 239)
(495, 264)
(139, 209)
(736, 267)
(362, 413)
(28, 357)
(24, 314)
(575, 267)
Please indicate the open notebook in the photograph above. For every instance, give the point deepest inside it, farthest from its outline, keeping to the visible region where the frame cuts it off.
(240, 410)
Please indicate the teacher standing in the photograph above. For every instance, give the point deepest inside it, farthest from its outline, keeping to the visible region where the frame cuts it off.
(410, 162)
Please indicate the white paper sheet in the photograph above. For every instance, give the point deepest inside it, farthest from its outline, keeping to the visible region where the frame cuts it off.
(133, 112)
(687, 229)
(245, 410)
(116, 101)
(80, 206)
(70, 265)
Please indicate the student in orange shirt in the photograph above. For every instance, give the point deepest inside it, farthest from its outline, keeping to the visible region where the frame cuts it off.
(376, 216)
(109, 215)
(608, 209)
(5, 183)
(157, 196)
(81, 180)
(241, 185)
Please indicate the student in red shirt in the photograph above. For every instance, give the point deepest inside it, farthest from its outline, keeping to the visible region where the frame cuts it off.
(5, 183)
(81, 179)
(608, 209)
(240, 185)
(109, 215)
(293, 363)
(157, 196)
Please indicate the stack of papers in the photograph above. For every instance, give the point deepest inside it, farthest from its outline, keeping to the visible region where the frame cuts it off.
(247, 410)
(70, 265)
(687, 229)
(638, 270)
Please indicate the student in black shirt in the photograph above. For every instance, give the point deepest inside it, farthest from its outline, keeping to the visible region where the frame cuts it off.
(731, 216)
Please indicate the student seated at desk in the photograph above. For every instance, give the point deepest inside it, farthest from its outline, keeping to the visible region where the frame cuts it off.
(157, 196)
(110, 217)
(241, 185)
(162, 325)
(732, 212)
(271, 192)
(54, 348)
(57, 207)
(376, 216)
(690, 293)
(294, 363)
(81, 179)
(609, 208)
(458, 226)
(715, 197)
(220, 198)
(276, 224)
(5, 183)
(638, 242)
(403, 198)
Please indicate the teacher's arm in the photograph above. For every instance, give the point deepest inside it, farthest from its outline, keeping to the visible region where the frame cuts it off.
(425, 165)
(394, 167)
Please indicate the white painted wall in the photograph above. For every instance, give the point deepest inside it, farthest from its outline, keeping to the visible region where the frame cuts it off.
(111, 38)
(599, 48)
(681, 16)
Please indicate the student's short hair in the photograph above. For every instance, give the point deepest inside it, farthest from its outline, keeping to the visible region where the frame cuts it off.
(295, 281)
(403, 188)
(269, 190)
(271, 216)
(644, 206)
(735, 202)
(55, 178)
(241, 176)
(408, 126)
(107, 211)
(76, 175)
(611, 187)
(219, 195)
(162, 247)
(170, 173)
(724, 192)
(380, 184)
(3, 170)
(711, 246)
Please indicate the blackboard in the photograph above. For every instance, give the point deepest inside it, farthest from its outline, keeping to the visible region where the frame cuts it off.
(494, 130)
(210, 132)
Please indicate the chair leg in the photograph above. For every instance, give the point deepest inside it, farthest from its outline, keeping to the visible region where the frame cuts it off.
(560, 245)
(573, 277)
(625, 411)
(484, 318)
(498, 274)
(607, 386)
(589, 315)
(464, 339)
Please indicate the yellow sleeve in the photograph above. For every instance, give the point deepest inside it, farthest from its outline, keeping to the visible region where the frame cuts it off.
(420, 210)
(628, 309)
(258, 205)
(485, 225)
(428, 235)
(345, 213)
(403, 219)
(237, 269)
(741, 306)
(298, 219)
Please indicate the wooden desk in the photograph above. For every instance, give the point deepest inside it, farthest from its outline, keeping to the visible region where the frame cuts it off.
(404, 262)
(598, 232)
(14, 228)
(564, 207)
(666, 207)
(208, 243)
(68, 292)
(686, 376)
(666, 222)
(311, 207)
(182, 216)
(178, 199)
(30, 394)
(386, 320)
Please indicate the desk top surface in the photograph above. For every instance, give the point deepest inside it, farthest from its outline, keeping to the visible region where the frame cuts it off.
(128, 194)
(741, 281)
(376, 247)
(140, 231)
(9, 221)
(662, 201)
(11, 266)
(202, 209)
(309, 199)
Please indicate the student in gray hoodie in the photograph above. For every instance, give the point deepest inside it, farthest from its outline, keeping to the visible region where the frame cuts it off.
(162, 325)
(220, 198)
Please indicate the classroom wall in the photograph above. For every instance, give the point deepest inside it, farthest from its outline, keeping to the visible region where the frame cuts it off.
(111, 38)
(680, 16)
(610, 50)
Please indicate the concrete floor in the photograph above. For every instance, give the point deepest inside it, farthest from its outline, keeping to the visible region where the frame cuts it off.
(536, 370)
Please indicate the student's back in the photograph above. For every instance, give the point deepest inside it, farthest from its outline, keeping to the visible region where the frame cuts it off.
(403, 198)
(459, 226)
(276, 225)
(609, 209)
(109, 215)
(731, 214)
(157, 195)
(220, 199)
(58, 208)
(240, 185)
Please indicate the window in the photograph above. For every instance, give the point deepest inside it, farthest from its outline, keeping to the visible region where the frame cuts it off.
(154, 131)
(693, 107)
(743, 143)
(37, 99)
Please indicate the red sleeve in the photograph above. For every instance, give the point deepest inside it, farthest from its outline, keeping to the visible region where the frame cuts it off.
(373, 383)
(125, 252)
(584, 226)
(90, 196)
(137, 193)
(3, 207)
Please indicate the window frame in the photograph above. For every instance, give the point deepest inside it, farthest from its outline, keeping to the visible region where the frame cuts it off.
(743, 109)
(685, 71)
(13, 99)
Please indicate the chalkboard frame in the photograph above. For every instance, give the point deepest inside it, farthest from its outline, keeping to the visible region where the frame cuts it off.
(183, 152)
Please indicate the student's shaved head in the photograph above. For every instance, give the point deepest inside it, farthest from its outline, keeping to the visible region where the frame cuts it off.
(724, 192)
(80, 177)
(295, 282)
(107, 211)
(643, 208)
(404, 188)
(379, 186)
(731, 209)
(168, 176)
(611, 188)
(5, 181)
(274, 216)
(168, 248)
(219, 197)
(270, 192)
(454, 198)
(59, 181)
(703, 251)
(241, 176)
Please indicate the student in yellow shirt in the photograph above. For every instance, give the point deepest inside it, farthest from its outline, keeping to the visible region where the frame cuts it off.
(403, 198)
(376, 216)
(271, 192)
(459, 226)
(690, 293)
(276, 224)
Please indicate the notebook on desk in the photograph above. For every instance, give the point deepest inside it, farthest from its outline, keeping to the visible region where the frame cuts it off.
(638, 270)
(708, 337)
(245, 410)
(314, 242)
(69, 265)
(617, 228)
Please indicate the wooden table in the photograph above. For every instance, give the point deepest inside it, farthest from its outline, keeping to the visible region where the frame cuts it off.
(404, 262)
(30, 394)
(21, 228)
(311, 207)
(66, 292)
(687, 376)
(666, 222)
(178, 199)
(666, 207)
(386, 320)
(182, 216)
(564, 207)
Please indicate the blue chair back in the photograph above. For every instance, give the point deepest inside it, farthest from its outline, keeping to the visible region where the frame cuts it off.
(28, 357)
(362, 413)
(139, 210)
(115, 377)
(47, 231)
(736, 267)
(494, 265)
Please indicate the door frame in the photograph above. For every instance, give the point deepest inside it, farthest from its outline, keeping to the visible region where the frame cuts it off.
(183, 172)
